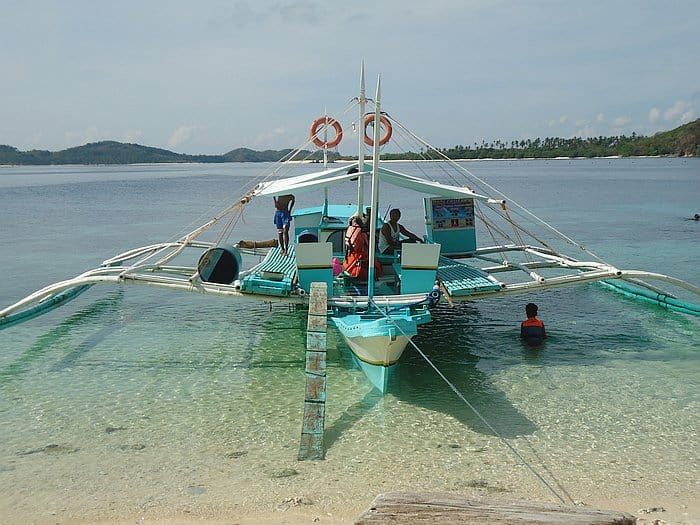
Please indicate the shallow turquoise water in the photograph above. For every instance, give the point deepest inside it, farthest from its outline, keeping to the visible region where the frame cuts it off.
(134, 401)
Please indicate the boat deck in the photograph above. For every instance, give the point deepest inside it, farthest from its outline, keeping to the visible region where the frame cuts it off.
(276, 275)
(463, 279)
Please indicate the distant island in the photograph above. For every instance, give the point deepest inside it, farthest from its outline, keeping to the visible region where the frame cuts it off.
(683, 141)
(112, 152)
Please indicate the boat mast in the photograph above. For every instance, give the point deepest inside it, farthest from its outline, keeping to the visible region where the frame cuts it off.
(325, 161)
(325, 140)
(375, 191)
(361, 137)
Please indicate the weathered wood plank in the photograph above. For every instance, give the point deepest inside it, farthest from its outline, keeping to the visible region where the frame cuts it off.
(315, 389)
(311, 447)
(317, 299)
(314, 414)
(316, 341)
(311, 444)
(406, 508)
(317, 323)
(316, 362)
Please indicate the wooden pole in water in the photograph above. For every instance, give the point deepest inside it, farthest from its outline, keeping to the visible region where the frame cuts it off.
(311, 446)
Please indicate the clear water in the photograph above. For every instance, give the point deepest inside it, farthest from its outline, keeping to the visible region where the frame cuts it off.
(138, 402)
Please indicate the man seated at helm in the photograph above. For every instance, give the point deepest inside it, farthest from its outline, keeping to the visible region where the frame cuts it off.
(390, 235)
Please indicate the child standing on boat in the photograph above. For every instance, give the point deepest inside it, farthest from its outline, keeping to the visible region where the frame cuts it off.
(283, 218)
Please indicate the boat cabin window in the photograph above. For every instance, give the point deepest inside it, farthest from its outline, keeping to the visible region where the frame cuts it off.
(337, 238)
(307, 236)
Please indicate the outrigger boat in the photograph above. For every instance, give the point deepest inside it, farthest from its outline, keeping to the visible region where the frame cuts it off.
(379, 314)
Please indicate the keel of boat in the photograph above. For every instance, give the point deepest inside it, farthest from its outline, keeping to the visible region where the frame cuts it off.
(377, 375)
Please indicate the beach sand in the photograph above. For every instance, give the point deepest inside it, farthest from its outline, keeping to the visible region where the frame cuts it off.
(304, 511)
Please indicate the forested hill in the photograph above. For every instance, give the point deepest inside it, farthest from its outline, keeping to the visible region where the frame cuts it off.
(682, 141)
(111, 152)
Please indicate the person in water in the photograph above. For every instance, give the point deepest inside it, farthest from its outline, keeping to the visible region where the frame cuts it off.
(532, 329)
(391, 232)
(283, 218)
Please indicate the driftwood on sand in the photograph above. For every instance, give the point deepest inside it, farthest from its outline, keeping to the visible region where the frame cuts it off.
(399, 508)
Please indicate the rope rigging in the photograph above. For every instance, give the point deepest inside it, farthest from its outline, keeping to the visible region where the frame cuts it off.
(480, 183)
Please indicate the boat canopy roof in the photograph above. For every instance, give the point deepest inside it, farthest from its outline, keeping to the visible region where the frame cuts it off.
(321, 179)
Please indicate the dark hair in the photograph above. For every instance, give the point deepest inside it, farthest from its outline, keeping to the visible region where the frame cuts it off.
(531, 309)
(356, 221)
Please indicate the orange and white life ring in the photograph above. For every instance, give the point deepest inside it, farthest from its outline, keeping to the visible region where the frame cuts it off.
(318, 124)
(369, 119)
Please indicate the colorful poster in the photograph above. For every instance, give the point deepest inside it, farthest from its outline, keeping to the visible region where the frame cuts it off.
(452, 214)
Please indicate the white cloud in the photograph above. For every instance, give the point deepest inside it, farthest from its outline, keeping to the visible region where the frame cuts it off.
(621, 121)
(180, 136)
(270, 137)
(133, 135)
(78, 138)
(34, 141)
(600, 118)
(654, 115)
(681, 112)
(558, 122)
(585, 132)
(688, 116)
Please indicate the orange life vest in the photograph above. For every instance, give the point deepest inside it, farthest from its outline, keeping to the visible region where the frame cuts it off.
(356, 262)
(532, 329)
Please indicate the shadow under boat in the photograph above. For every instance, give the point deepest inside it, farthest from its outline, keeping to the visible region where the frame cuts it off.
(447, 342)
(45, 342)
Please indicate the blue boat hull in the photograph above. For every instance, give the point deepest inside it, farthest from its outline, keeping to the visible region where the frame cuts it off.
(377, 343)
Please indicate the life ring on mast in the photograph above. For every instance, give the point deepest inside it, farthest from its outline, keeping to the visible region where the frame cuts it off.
(369, 119)
(317, 125)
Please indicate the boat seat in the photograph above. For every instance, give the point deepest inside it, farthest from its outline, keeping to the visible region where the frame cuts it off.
(275, 275)
(418, 267)
(315, 264)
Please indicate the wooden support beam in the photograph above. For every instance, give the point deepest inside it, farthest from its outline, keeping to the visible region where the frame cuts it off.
(410, 508)
(311, 446)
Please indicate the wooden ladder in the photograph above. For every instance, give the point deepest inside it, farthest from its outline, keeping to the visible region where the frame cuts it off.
(311, 446)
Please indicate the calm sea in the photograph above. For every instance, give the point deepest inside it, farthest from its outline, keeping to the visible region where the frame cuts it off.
(139, 402)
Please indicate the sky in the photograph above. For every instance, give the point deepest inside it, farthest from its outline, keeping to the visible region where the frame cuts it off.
(209, 76)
